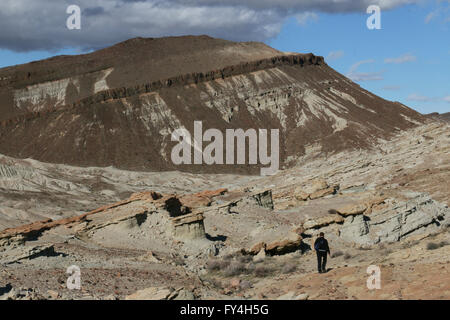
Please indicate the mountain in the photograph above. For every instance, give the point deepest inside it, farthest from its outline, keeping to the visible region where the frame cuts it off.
(439, 116)
(118, 106)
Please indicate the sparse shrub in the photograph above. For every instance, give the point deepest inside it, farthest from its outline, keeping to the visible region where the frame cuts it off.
(262, 271)
(245, 284)
(234, 269)
(432, 246)
(245, 259)
(179, 261)
(336, 254)
(347, 256)
(228, 257)
(251, 267)
(289, 268)
(216, 265)
(407, 244)
(215, 283)
(443, 243)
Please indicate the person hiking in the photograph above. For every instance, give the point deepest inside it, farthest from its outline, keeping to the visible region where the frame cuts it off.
(321, 247)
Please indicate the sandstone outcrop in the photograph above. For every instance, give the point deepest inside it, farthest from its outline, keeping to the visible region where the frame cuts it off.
(189, 227)
(317, 188)
(292, 242)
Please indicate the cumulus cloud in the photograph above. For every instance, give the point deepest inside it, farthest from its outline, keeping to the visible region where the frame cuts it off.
(41, 24)
(358, 76)
(402, 59)
(447, 99)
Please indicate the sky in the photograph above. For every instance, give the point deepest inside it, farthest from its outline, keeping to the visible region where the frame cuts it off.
(406, 60)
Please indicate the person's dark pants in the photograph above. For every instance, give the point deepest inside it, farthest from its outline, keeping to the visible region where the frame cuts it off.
(321, 261)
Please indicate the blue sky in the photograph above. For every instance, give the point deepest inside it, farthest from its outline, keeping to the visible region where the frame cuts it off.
(420, 80)
(408, 60)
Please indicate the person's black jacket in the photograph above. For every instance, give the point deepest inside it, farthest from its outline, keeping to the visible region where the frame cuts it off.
(321, 244)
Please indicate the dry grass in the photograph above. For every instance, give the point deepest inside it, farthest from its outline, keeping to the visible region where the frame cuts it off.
(289, 268)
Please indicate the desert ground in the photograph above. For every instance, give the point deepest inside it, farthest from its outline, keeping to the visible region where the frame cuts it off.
(177, 235)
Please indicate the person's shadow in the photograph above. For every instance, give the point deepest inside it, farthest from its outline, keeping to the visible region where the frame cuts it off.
(5, 289)
(304, 247)
(216, 238)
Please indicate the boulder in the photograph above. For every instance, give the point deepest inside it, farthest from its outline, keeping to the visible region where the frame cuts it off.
(299, 230)
(292, 296)
(257, 248)
(318, 188)
(300, 195)
(291, 244)
(322, 222)
(201, 199)
(235, 283)
(260, 256)
(152, 293)
(189, 227)
(352, 209)
(149, 257)
(184, 294)
(52, 294)
(322, 193)
(316, 185)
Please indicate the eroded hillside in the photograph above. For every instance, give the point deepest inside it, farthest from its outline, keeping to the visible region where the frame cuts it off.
(120, 105)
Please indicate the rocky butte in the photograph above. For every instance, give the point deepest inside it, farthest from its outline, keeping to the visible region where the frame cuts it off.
(118, 106)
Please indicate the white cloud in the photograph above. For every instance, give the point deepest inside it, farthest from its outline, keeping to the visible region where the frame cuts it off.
(419, 98)
(407, 57)
(357, 64)
(430, 16)
(442, 13)
(305, 17)
(392, 88)
(357, 76)
(41, 24)
(334, 55)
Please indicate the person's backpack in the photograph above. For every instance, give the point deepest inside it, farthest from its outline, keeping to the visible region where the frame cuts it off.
(320, 244)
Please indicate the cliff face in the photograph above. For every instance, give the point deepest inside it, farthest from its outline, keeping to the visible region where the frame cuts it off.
(121, 110)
